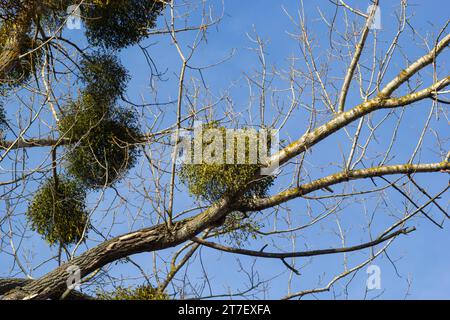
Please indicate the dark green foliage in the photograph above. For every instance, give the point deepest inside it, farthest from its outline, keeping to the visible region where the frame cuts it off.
(104, 77)
(103, 137)
(103, 141)
(58, 211)
(116, 24)
(211, 181)
(143, 292)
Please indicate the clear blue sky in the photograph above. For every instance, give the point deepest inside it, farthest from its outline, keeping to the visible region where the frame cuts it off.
(420, 258)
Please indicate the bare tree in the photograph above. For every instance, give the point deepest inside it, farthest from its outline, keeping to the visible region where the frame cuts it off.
(347, 94)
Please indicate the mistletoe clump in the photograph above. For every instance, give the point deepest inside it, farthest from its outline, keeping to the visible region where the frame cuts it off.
(58, 211)
(104, 77)
(142, 292)
(116, 24)
(239, 227)
(102, 141)
(211, 181)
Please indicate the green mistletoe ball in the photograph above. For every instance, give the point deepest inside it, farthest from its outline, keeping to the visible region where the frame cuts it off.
(58, 211)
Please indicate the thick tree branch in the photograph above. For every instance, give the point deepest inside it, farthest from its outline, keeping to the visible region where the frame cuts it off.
(31, 143)
(145, 240)
(8, 284)
(411, 70)
(264, 203)
(11, 52)
(311, 138)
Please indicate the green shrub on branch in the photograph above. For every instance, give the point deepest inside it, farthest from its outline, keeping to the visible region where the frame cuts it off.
(116, 24)
(142, 292)
(103, 141)
(211, 181)
(58, 211)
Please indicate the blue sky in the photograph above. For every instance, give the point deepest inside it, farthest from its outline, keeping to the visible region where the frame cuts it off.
(420, 258)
